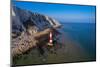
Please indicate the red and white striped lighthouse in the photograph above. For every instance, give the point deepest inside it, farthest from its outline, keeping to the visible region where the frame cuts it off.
(50, 39)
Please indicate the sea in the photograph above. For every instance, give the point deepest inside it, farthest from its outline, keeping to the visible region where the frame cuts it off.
(79, 40)
(82, 33)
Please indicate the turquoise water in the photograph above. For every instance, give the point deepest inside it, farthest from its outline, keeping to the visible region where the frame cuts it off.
(84, 34)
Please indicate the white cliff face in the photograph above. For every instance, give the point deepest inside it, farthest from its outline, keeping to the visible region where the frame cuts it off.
(17, 26)
(13, 13)
(21, 17)
(24, 23)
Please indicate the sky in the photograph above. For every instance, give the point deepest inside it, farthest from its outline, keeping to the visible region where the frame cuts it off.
(61, 12)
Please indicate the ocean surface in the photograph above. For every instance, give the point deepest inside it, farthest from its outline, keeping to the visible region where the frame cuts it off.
(82, 33)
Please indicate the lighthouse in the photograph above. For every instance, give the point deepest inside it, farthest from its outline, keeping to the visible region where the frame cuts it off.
(50, 39)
